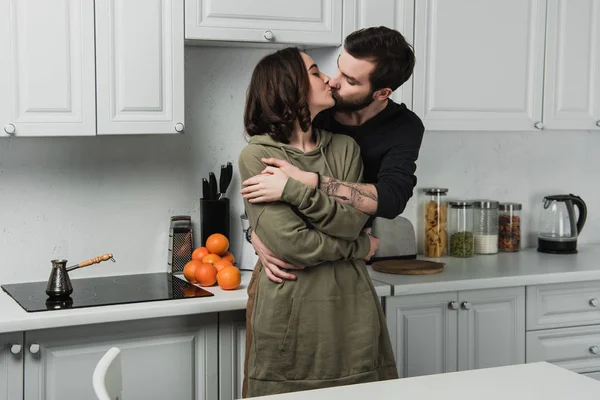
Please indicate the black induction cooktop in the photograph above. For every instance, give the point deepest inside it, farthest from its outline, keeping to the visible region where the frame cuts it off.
(91, 292)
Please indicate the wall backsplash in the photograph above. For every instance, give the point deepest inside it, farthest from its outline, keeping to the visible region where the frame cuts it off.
(77, 198)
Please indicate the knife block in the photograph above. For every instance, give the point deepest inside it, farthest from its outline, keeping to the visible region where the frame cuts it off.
(214, 218)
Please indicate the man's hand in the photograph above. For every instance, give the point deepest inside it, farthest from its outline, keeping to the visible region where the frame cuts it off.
(271, 263)
(374, 244)
(266, 187)
(308, 178)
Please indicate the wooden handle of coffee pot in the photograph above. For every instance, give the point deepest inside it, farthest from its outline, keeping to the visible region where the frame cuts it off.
(96, 260)
(93, 261)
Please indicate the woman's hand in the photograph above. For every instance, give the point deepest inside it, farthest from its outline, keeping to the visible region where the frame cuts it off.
(273, 265)
(308, 178)
(266, 187)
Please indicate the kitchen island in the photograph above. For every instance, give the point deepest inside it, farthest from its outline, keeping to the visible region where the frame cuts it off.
(537, 381)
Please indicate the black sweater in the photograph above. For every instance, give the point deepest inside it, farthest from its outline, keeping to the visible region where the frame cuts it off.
(389, 144)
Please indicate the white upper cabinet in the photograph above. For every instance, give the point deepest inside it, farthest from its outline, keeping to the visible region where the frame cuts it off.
(47, 74)
(479, 64)
(572, 86)
(394, 14)
(140, 66)
(306, 22)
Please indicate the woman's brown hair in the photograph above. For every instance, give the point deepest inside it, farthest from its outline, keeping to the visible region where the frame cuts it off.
(278, 96)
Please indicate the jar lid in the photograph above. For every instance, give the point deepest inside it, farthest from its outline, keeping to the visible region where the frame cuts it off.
(435, 190)
(486, 204)
(461, 204)
(510, 206)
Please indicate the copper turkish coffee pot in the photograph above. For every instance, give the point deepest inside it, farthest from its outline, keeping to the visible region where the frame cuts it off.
(59, 285)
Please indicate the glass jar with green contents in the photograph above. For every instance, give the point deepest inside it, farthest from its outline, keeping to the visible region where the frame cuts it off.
(460, 229)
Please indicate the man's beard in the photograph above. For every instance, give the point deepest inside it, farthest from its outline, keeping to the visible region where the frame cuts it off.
(351, 105)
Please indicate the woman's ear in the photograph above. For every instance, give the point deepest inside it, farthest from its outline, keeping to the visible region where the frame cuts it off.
(382, 94)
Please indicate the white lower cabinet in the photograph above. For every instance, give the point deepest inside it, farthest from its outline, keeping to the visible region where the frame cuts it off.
(11, 366)
(166, 358)
(563, 326)
(452, 331)
(232, 353)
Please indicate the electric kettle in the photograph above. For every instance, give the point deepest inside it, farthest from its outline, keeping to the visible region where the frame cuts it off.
(558, 224)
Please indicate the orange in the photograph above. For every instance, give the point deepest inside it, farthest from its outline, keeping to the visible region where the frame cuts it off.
(228, 256)
(229, 278)
(211, 259)
(199, 253)
(217, 244)
(189, 271)
(206, 274)
(222, 263)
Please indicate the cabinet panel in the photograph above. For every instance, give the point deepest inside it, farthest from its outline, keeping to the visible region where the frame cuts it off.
(232, 353)
(140, 65)
(576, 349)
(11, 366)
(563, 305)
(163, 358)
(48, 72)
(479, 64)
(572, 87)
(491, 328)
(314, 22)
(423, 333)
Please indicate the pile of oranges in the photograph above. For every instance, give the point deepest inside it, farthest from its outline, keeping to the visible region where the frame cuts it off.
(213, 263)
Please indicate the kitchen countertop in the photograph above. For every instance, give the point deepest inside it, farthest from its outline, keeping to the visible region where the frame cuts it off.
(13, 318)
(535, 381)
(527, 267)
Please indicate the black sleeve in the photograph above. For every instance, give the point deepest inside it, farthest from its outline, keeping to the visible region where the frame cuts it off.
(396, 179)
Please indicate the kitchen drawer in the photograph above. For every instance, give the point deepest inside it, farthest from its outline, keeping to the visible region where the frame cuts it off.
(563, 305)
(576, 349)
(593, 375)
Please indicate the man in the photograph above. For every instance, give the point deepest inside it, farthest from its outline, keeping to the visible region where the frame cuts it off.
(375, 62)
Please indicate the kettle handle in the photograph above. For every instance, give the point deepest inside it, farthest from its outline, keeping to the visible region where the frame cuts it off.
(582, 208)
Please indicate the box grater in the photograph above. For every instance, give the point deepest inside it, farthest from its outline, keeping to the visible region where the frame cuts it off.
(181, 242)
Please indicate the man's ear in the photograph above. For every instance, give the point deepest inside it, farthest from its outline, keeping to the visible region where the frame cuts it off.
(382, 94)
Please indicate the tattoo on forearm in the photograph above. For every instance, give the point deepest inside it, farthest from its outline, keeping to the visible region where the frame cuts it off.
(355, 194)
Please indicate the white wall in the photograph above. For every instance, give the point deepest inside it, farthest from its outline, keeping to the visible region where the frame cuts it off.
(80, 197)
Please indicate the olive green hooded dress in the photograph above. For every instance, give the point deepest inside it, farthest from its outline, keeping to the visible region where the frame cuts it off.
(327, 327)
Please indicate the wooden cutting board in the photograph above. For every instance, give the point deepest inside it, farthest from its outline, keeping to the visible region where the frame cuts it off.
(408, 267)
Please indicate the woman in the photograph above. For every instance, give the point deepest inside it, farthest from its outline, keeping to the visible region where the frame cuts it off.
(326, 328)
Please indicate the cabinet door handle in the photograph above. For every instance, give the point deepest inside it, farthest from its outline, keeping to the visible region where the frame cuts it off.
(15, 348)
(594, 302)
(539, 125)
(179, 127)
(594, 350)
(269, 35)
(466, 305)
(453, 305)
(598, 123)
(34, 348)
(9, 129)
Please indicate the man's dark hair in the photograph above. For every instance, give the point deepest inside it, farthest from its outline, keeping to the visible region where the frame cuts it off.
(393, 56)
(278, 96)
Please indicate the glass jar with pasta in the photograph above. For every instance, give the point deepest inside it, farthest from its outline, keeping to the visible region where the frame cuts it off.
(436, 218)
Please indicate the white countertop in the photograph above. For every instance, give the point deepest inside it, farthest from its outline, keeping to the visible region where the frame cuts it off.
(13, 318)
(536, 381)
(527, 267)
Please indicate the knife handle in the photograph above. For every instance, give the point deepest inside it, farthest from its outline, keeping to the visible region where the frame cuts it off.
(205, 192)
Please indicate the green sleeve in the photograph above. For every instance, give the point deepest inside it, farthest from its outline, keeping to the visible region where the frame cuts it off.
(285, 233)
(324, 212)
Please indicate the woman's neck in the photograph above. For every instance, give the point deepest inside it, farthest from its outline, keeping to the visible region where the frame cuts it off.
(302, 140)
